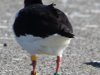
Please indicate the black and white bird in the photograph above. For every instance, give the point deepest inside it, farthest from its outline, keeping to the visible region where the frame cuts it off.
(42, 29)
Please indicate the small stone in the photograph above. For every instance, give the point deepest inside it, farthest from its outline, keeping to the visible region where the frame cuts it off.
(5, 44)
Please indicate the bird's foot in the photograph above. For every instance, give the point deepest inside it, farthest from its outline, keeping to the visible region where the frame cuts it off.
(33, 73)
(56, 74)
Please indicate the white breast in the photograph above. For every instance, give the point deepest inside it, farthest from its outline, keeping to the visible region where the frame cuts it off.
(52, 45)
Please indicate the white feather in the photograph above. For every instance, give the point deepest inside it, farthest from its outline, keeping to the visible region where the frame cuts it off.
(52, 45)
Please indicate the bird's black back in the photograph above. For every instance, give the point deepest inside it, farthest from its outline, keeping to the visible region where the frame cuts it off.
(42, 21)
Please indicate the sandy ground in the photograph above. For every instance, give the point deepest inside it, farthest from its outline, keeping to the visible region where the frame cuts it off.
(84, 16)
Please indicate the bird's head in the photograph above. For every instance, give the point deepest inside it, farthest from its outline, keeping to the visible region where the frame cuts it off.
(31, 2)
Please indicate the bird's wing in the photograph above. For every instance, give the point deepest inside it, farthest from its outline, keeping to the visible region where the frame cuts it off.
(42, 21)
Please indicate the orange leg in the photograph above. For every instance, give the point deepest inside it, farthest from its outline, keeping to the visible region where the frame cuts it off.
(34, 58)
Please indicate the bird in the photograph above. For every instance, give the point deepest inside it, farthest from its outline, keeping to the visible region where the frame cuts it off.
(42, 29)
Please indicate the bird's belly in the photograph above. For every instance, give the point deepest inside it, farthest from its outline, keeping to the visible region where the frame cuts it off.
(52, 45)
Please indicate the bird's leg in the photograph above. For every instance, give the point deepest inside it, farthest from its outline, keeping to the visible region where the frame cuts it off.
(58, 62)
(34, 58)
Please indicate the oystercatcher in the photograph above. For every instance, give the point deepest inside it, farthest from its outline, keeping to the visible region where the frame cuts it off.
(42, 29)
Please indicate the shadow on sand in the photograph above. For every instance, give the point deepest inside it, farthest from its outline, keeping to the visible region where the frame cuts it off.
(93, 63)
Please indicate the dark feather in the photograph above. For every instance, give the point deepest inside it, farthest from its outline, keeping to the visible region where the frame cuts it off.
(43, 21)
